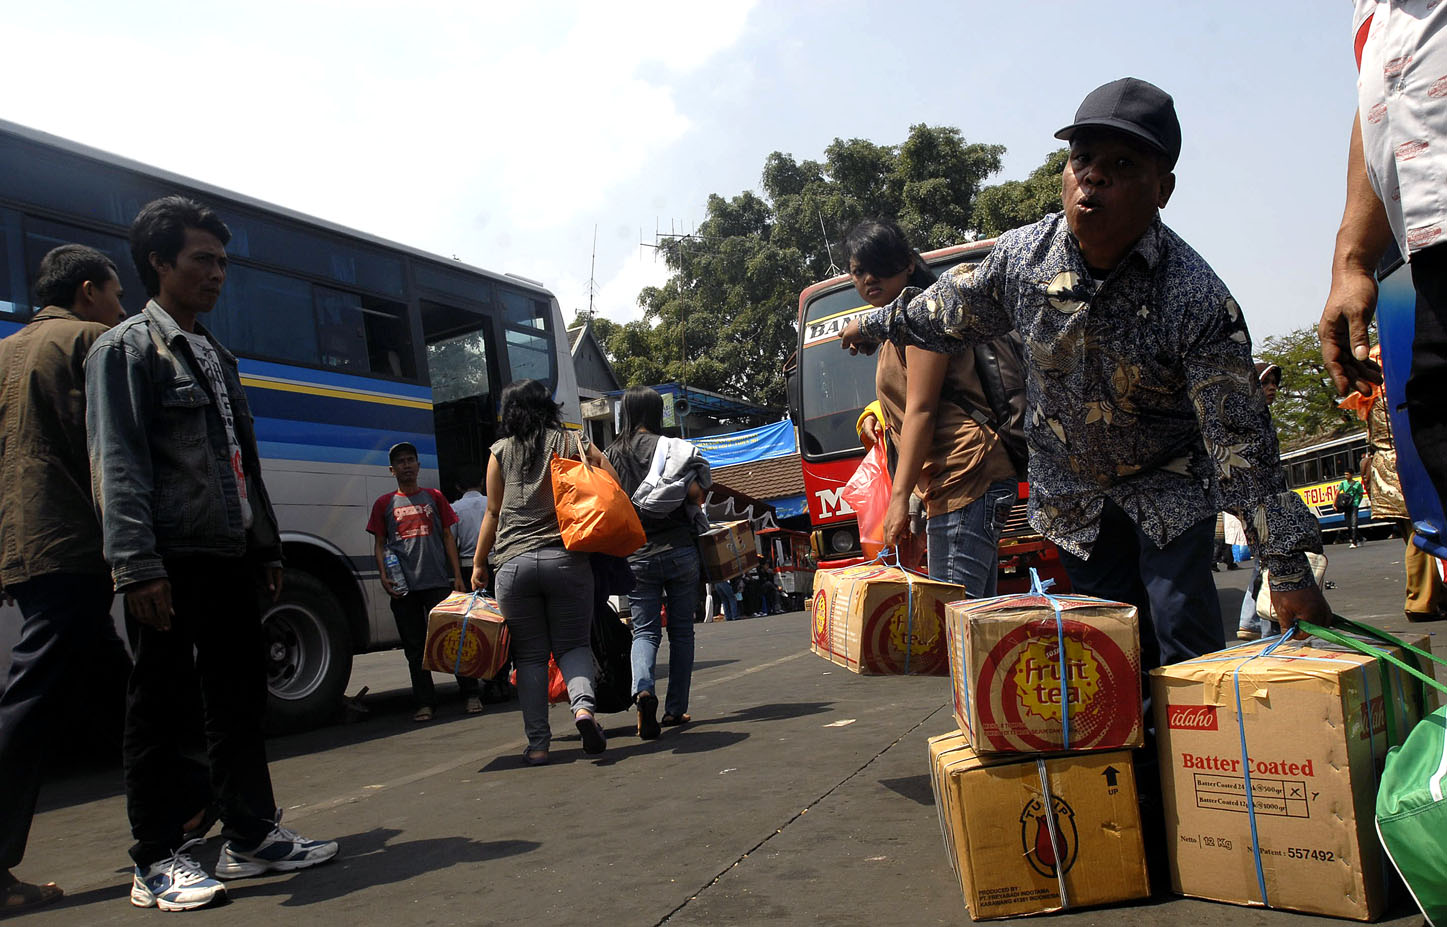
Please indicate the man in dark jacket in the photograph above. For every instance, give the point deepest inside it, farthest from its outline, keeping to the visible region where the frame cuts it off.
(189, 534)
(50, 545)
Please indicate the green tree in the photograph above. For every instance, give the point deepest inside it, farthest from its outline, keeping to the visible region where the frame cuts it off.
(1305, 410)
(1019, 202)
(725, 318)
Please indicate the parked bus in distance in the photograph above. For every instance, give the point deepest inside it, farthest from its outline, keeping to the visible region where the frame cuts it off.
(1313, 473)
(828, 388)
(347, 344)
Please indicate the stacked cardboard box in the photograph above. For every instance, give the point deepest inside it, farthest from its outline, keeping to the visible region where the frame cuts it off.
(466, 636)
(1016, 691)
(1041, 834)
(1279, 752)
(878, 620)
(728, 550)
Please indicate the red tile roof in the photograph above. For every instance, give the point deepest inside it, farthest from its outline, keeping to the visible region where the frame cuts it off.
(776, 478)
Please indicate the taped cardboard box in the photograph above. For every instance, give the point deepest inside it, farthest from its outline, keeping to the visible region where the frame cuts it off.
(728, 550)
(466, 636)
(879, 621)
(1011, 678)
(1316, 735)
(1011, 857)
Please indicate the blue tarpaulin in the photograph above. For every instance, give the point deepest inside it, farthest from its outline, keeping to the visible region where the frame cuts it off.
(776, 440)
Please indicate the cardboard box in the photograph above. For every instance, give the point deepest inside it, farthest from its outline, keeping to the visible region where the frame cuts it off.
(1315, 739)
(1006, 669)
(862, 620)
(728, 550)
(999, 839)
(471, 624)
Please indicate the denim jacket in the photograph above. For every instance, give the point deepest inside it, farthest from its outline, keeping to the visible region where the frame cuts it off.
(159, 460)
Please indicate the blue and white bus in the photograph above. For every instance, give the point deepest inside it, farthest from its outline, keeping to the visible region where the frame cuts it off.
(347, 345)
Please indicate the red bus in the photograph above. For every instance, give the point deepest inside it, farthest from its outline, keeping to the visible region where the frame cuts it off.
(828, 388)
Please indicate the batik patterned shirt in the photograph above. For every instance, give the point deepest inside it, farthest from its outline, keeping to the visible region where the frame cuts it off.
(1141, 389)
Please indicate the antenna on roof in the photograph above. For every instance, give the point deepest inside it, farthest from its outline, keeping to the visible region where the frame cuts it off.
(834, 270)
(592, 273)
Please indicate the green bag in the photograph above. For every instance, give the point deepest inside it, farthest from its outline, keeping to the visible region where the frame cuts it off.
(1411, 809)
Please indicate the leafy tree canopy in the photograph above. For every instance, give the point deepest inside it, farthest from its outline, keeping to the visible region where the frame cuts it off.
(731, 301)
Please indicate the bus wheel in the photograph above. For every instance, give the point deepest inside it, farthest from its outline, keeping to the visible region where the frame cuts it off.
(308, 654)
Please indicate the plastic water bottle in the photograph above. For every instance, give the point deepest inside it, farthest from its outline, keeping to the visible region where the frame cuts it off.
(394, 573)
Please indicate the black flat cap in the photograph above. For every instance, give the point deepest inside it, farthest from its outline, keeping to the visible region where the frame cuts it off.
(1135, 107)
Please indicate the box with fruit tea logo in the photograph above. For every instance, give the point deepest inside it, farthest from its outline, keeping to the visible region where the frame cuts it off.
(881, 621)
(1017, 690)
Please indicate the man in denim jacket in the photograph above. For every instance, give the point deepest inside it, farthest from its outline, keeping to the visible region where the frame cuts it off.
(189, 533)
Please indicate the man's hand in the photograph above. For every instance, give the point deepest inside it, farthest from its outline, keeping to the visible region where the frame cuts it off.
(479, 578)
(150, 603)
(853, 340)
(457, 585)
(389, 586)
(1300, 605)
(869, 431)
(896, 529)
(1342, 331)
(273, 579)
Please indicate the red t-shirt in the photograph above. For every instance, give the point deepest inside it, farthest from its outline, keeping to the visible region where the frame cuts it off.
(412, 527)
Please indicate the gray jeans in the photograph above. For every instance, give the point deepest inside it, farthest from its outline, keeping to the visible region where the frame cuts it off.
(546, 597)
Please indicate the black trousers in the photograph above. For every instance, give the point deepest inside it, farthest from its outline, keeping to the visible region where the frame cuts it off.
(410, 612)
(217, 631)
(1427, 382)
(67, 626)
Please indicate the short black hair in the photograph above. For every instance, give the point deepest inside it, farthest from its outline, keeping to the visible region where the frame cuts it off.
(880, 247)
(64, 269)
(160, 229)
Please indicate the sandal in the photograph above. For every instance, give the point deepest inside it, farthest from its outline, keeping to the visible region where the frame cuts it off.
(672, 720)
(23, 896)
(647, 715)
(594, 740)
(423, 714)
(535, 757)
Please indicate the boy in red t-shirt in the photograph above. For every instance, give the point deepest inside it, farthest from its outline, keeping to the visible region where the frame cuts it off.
(416, 524)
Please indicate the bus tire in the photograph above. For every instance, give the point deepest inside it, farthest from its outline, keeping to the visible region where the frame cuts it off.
(308, 654)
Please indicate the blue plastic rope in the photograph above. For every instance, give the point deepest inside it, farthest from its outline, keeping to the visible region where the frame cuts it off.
(462, 632)
(1038, 587)
(1246, 763)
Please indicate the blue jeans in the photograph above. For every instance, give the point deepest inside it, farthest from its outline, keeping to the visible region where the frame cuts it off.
(546, 598)
(964, 545)
(673, 573)
(728, 606)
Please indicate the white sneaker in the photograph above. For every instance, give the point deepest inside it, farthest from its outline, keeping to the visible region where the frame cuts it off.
(176, 883)
(281, 850)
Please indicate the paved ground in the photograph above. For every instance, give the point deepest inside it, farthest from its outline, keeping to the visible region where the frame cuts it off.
(800, 795)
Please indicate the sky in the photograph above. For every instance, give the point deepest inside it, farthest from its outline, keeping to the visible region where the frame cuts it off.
(505, 134)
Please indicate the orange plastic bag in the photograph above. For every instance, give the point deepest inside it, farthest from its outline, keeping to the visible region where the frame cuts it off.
(595, 515)
(557, 685)
(867, 492)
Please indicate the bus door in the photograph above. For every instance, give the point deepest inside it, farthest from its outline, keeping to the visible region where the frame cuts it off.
(461, 364)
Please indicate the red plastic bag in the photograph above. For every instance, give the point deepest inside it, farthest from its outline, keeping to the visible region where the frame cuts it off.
(867, 492)
(557, 685)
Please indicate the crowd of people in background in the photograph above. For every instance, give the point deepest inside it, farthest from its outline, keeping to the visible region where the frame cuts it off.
(130, 464)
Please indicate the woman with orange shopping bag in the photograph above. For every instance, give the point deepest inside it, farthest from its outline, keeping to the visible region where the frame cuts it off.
(544, 590)
(931, 405)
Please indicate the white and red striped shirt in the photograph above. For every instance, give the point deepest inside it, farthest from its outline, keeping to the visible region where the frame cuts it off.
(1401, 56)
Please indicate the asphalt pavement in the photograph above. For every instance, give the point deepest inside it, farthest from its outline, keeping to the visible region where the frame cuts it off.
(799, 795)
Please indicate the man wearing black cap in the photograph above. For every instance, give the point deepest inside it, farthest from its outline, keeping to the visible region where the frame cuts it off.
(1145, 414)
(413, 526)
